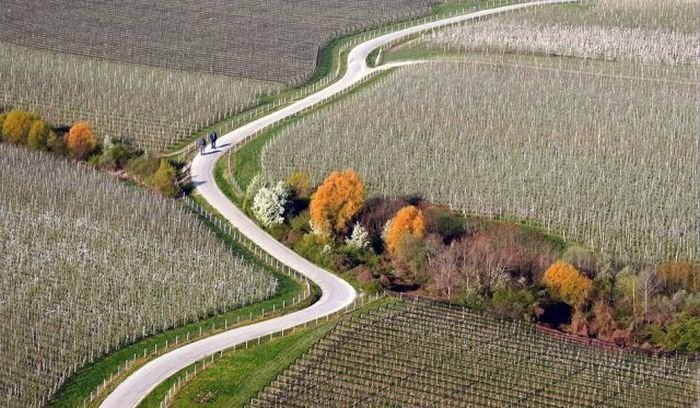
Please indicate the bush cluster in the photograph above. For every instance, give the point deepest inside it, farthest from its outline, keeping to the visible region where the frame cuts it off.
(80, 142)
(28, 129)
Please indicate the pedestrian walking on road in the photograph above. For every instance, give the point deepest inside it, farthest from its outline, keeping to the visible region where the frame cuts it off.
(212, 139)
(202, 145)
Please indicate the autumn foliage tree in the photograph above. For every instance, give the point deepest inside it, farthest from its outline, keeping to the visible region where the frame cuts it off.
(81, 140)
(336, 202)
(568, 283)
(16, 126)
(408, 220)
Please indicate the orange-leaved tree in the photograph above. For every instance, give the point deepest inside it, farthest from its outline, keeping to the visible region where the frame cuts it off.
(81, 140)
(336, 201)
(568, 283)
(408, 220)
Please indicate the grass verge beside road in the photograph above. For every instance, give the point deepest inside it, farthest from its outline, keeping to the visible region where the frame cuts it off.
(241, 374)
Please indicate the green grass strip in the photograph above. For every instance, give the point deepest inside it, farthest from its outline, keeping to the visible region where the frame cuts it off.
(239, 375)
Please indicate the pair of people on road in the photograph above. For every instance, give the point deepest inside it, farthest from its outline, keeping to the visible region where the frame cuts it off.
(203, 142)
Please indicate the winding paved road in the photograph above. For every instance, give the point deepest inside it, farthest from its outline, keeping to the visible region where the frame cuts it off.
(336, 293)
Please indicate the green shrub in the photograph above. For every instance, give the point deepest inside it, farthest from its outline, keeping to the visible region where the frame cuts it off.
(93, 160)
(16, 126)
(682, 335)
(411, 259)
(299, 185)
(117, 156)
(450, 227)
(513, 304)
(371, 259)
(164, 180)
(38, 136)
(143, 167)
(314, 249)
(300, 223)
(372, 288)
(692, 305)
(471, 299)
(347, 257)
(56, 143)
(278, 231)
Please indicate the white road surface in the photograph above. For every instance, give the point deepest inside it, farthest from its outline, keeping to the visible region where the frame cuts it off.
(336, 293)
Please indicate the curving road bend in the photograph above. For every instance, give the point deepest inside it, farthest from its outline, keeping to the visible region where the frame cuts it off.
(336, 293)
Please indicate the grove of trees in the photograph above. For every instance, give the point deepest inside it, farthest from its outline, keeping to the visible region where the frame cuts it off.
(501, 268)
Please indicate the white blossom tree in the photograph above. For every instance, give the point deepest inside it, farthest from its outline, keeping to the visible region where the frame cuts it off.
(252, 190)
(269, 204)
(359, 238)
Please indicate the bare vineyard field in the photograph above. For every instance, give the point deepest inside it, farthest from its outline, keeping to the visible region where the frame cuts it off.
(648, 31)
(153, 108)
(90, 264)
(416, 354)
(601, 153)
(274, 40)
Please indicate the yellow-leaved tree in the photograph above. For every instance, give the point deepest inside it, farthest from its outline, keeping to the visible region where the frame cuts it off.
(38, 135)
(336, 201)
(81, 140)
(568, 283)
(408, 220)
(16, 126)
